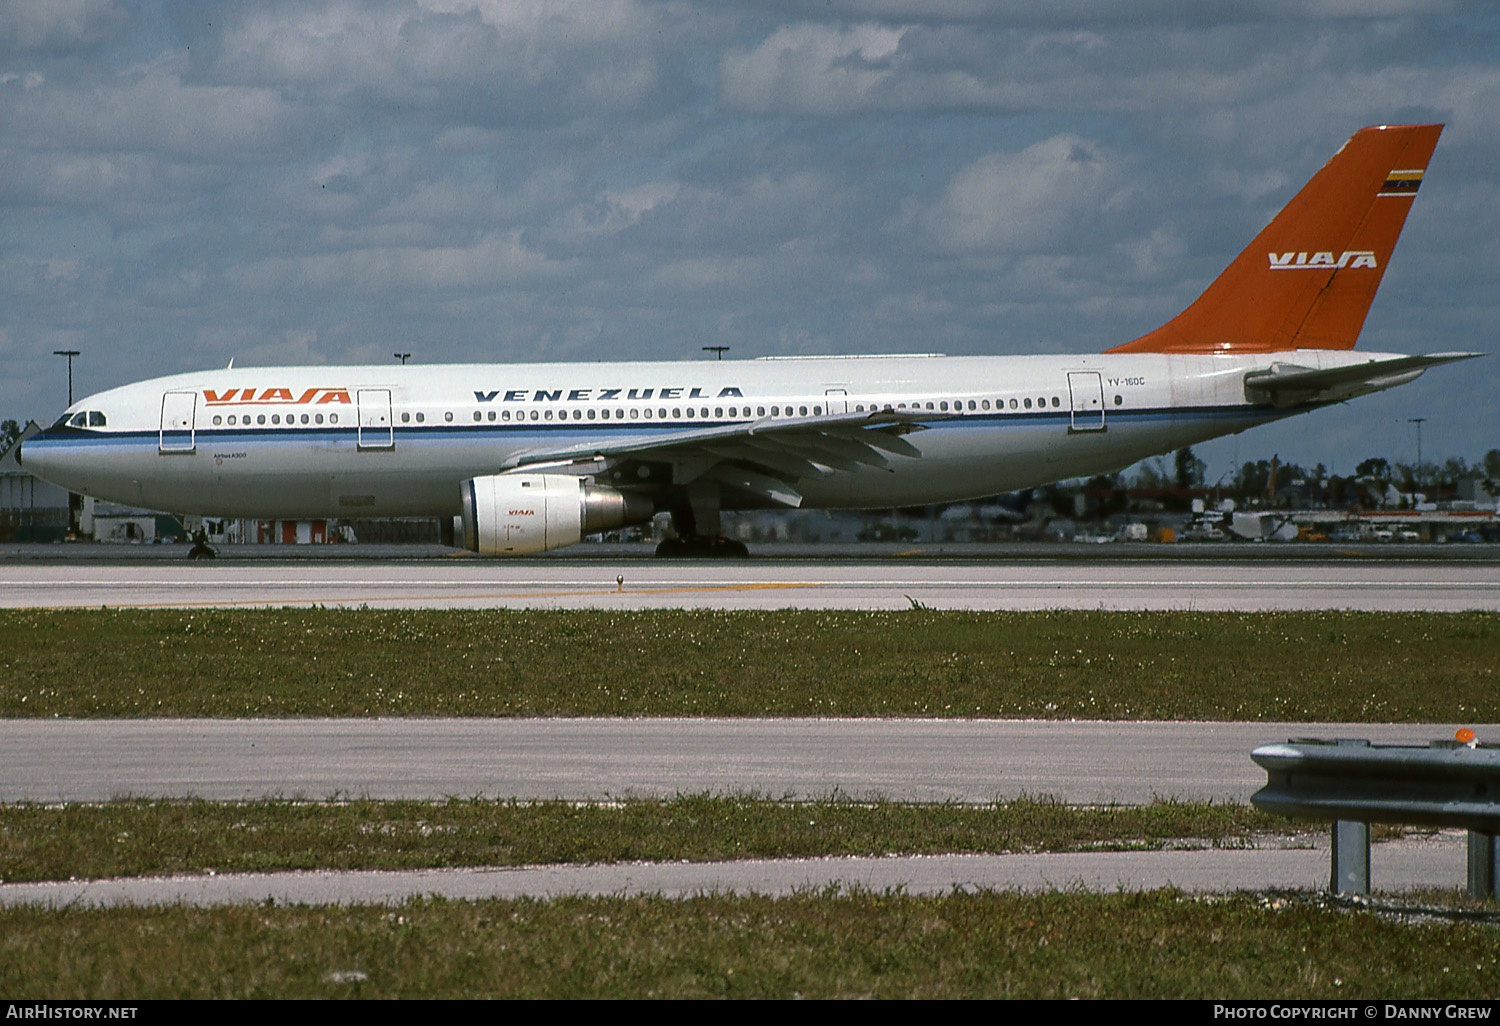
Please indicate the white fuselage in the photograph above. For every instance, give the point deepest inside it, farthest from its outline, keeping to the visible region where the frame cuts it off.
(397, 441)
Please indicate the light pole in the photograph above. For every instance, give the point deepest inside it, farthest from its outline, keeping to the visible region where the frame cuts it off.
(69, 353)
(403, 357)
(1418, 422)
(718, 350)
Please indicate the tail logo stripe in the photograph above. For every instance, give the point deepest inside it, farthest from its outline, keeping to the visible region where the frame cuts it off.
(1402, 182)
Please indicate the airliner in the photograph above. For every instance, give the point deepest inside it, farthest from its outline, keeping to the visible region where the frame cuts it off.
(520, 459)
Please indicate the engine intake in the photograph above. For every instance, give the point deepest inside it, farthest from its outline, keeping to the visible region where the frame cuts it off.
(523, 514)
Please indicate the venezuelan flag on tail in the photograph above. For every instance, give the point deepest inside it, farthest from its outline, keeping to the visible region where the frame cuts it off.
(1308, 279)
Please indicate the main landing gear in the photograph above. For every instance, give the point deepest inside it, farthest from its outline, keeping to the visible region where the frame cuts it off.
(695, 520)
(701, 548)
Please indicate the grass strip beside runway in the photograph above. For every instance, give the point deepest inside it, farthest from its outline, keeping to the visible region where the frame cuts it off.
(985, 945)
(139, 838)
(1056, 665)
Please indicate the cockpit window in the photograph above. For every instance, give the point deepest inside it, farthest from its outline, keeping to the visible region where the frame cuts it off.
(96, 419)
(62, 421)
(79, 420)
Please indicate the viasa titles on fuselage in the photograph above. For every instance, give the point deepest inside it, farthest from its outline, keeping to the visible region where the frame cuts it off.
(526, 458)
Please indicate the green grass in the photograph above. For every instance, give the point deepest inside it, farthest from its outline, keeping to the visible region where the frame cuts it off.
(984, 945)
(148, 838)
(1109, 665)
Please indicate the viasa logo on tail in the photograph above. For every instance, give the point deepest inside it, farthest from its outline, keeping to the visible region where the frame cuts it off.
(1323, 260)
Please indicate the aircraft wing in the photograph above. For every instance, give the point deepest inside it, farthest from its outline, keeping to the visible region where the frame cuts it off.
(765, 457)
(1287, 384)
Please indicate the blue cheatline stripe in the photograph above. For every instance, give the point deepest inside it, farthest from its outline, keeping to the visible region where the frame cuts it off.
(518, 433)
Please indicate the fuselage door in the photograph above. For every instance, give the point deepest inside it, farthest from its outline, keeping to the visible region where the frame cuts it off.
(837, 399)
(375, 429)
(1087, 391)
(178, 410)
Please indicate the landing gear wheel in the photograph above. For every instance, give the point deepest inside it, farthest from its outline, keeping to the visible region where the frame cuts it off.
(672, 548)
(701, 548)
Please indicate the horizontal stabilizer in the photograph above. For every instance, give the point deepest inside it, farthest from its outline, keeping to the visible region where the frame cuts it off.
(1287, 384)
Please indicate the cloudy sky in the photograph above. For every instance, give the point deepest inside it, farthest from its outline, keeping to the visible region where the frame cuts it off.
(331, 181)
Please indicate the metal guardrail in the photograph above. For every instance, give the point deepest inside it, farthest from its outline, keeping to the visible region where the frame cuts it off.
(1355, 783)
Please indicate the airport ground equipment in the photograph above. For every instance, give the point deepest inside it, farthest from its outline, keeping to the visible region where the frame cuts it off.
(1355, 783)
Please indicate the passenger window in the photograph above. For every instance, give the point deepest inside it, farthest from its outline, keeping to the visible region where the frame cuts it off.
(276, 418)
(333, 418)
(218, 420)
(304, 418)
(476, 415)
(261, 418)
(318, 418)
(448, 416)
(1056, 401)
(421, 417)
(1028, 403)
(636, 413)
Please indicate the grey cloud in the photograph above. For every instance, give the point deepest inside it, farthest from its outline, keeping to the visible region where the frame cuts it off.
(1020, 202)
(481, 63)
(59, 27)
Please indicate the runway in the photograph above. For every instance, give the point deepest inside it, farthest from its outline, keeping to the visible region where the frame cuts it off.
(1239, 585)
(1078, 762)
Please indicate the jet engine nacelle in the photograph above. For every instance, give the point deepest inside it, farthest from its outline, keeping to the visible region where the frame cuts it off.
(523, 514)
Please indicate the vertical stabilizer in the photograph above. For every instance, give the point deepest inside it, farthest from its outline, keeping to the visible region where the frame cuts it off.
(1308, 279)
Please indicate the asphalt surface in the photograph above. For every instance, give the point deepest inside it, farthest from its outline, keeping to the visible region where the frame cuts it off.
(1078, 762)
(1419, 862)
(888, 583)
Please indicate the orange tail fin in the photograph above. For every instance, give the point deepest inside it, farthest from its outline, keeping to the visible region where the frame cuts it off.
(1308, 279)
